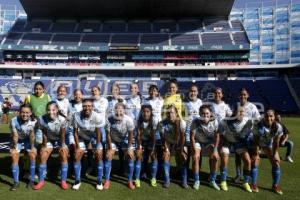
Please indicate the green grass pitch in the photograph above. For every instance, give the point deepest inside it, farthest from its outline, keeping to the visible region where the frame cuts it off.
(290, 181)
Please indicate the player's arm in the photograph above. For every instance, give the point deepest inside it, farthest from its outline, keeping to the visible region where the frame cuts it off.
(98, 138)
(192, 138)
(130, 138)
(139, 138)
(14, 136)
(63, 137)
(76, 137)
(32, 139)
(216, 141)
(45, 137)
(153, 138)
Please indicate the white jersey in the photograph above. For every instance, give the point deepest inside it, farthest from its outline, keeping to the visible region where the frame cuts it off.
(251, 111)
(23, 130)
(119, 129)
(133, 107)
(205, 133)
(53, 127)
(63, 105)
(101, 106)
(168, 130)
(221, 110)
(146, 131)
(266, 135)
(157, 105)
(87, 126)
(111, 105)
(191, 113)
(73, 108)
(234, 130)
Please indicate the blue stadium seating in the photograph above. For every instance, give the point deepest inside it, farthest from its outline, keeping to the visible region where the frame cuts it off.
(185, 39)
(240, 38)
(114, 27)
(165, 27)
(95, 39)
(139, 27)
(43, 26)
(216, 39)
(190, 26)
(63, 27)
(66, 39)
(88, 27)
(155, 39)
(13, 38)
(124, 40)
(212, 23)
(36, 38)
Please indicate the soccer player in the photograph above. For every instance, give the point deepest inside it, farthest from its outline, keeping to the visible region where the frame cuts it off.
(53, 126)
(173, 98)
(205, 136)
(120, 138)
(172, 131)
(100, 105)
(192, 106)
(251, 112)
(133, 102)
(146, 132)
(62, 100)
(156, 103)
(38, 101)
(22, 133)
(267, 136)
(6, 106)
(220, 109)
(284, 140)
(87, 125)
(235, 132)
(114, 99)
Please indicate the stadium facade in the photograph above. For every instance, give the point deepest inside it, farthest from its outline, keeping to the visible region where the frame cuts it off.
(211, 51)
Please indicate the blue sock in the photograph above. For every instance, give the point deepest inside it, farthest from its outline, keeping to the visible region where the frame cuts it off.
(213, 176)
(137, 169)
(77, 170)
(184, 174)
(154, 169)
(196, 176)
(107, 169)
(254, 174)
(64, 172)
(15, 172)
(166, 165)
(130, 169)
(32, 171)
(276, 175)
(246, 174)
(223, 174)
(238, 171)
(42, 171)
(100, 171)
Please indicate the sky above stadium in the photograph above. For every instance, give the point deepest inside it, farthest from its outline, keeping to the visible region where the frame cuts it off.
(238, 3)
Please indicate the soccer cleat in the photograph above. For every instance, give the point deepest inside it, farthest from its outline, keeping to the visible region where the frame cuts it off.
(15, 186)
(130, 185)
(185, 185)
(224, 186)
(99, 186)
(137, 183)
(30, 185)
(166, 185)
(247, 187)
(106, 185)
(237, 179)
(153, 182)
(277, 190)
(77, 185)
(39, 185)
(289, 159)
(255, 188)
(89, 171)
(214, 185)
(64, 185)
(196, 185)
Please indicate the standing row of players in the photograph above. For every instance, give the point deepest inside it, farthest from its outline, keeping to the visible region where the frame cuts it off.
(137, 128)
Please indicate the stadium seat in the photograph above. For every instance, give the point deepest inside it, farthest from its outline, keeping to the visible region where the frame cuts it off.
(185, 39)
(155, 39)
(124, 40)
(36, 38)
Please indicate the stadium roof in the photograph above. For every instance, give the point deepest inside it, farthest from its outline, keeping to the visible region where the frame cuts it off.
(126, 8)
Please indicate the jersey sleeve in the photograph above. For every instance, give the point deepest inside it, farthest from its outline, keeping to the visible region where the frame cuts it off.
(279, 130)
(217, 126)
(99, 121)
(183, 126)
(255, 113)
(130, 124)
(12, 126)
(228, 111)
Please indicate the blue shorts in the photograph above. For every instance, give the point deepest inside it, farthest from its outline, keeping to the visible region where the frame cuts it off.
(53, 144)
(23, 144)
